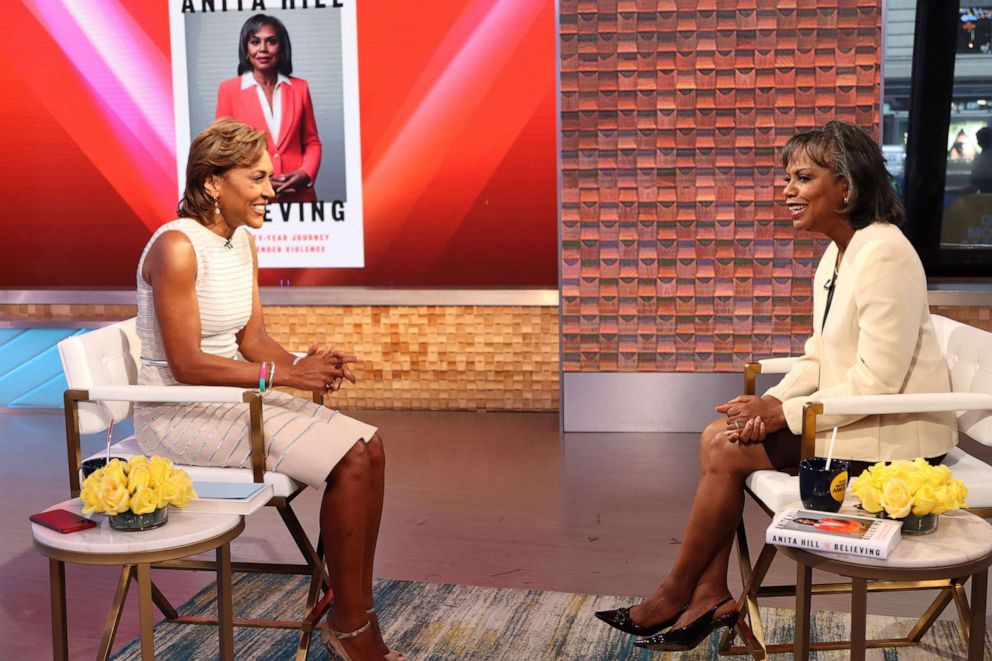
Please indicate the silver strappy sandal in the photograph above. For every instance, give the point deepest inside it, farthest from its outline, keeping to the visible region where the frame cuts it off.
(332, 639)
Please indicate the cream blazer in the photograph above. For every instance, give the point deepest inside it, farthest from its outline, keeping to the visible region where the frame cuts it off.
(878, 339)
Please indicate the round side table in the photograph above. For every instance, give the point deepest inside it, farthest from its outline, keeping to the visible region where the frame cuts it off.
(186, 533)
(960, 549)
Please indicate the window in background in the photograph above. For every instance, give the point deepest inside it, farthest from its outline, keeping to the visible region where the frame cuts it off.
(968, 185)
(951, 225)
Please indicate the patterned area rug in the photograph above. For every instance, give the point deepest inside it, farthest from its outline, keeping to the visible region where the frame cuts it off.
(430, 621)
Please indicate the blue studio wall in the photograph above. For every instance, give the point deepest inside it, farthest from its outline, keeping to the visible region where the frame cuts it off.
(30, 371)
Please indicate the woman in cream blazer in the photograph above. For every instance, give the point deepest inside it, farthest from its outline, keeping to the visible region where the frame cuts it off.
(872, 335)
(878, 339)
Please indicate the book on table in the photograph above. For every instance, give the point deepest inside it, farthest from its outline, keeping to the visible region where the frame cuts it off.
(826, 532)
(229, 497)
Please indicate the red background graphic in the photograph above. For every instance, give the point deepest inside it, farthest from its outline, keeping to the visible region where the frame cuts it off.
(458, 138)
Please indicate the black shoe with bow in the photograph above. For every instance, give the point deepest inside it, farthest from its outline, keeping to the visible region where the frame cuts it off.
(687, 637)
(620, 619)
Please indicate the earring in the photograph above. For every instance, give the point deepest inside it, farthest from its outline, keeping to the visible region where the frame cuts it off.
(217, 205)
(846, 200)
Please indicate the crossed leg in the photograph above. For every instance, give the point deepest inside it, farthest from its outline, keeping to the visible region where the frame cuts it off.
(698, 579)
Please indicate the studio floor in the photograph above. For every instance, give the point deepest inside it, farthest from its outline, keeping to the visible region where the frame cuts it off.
(490, 499)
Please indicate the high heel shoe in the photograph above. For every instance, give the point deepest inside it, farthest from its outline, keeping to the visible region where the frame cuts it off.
(332, 639)
(620, 619)
(391, 655)
(687, 637)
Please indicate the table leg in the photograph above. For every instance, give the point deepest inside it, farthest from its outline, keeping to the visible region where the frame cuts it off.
(804, 579)
(859, 615)
(145, 611)
(114, 614)
(60, 637)
(225, 615)
(976, 628)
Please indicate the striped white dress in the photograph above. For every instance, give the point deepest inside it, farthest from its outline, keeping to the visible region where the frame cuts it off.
(302, 439)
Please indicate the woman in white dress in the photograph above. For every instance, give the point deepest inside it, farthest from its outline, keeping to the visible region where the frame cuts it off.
(200, 322)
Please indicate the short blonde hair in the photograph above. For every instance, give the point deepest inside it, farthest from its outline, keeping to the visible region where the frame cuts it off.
(225, 144)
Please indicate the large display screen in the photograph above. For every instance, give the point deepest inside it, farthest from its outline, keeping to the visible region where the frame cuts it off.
(444, 172)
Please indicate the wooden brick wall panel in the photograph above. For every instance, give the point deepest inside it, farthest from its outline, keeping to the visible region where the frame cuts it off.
(973, 315)
(675, 253)
(449, 358)
(433, 357)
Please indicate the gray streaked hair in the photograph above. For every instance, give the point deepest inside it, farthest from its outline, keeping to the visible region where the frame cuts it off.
(854, 156)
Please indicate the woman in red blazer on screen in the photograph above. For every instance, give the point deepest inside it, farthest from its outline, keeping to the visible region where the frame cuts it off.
(264, 96)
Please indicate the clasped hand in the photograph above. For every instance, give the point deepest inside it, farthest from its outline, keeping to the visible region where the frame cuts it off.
(751, 418)
(324, 369)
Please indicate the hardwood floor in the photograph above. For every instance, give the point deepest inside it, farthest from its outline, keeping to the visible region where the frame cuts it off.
(497, 499)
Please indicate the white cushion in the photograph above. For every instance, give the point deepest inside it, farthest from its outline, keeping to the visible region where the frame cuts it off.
(282, 485)
(976, 474)
(104, 357)
(777, 490)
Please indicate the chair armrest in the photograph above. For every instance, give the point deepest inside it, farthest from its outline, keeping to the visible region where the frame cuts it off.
(176, 394)
(777, 365)
(159, 394)
(765, 366)
(907, 403)
(884, 404)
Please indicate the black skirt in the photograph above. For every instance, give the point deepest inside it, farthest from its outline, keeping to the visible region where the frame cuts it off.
(784, 449)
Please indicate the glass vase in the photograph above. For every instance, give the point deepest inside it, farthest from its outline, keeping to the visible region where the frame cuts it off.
(914, 525)
(920, 525)
(130, 522)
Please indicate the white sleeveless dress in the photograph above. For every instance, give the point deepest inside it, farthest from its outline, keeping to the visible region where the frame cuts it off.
(302, 439)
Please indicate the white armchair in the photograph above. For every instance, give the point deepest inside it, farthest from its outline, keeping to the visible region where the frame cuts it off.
(101, 369)
(968, 351)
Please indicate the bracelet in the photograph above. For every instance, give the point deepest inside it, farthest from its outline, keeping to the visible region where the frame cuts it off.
(272, 376)
(262, 373)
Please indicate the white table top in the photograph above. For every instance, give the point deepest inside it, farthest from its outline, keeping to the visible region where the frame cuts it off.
(182, 529)
(960, 538)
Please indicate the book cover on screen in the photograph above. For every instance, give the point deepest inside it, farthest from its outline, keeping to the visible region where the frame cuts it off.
(826, 532)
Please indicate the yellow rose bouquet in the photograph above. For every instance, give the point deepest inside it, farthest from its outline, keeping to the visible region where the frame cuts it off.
(136, 493)
(914, 491)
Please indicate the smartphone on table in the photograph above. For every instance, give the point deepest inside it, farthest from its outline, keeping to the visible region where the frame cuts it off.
(62, 521)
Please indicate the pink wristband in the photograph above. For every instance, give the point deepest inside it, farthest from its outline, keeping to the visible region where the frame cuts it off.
(262, 373)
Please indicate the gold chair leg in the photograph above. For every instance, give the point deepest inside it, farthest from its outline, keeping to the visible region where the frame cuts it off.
(301, 539)
(751, 633)
(114, 614)
(60, 635)
(744, 566)
(759, 644)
